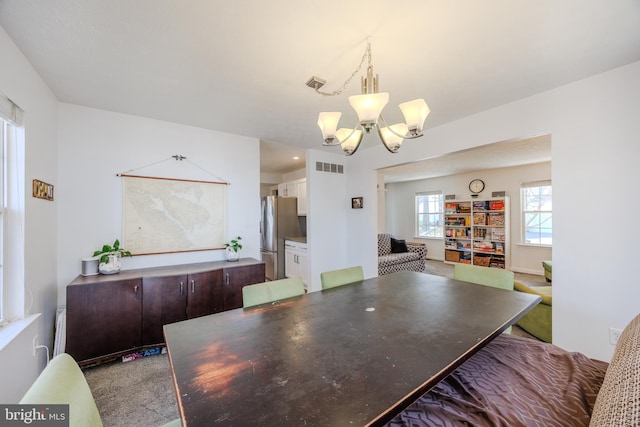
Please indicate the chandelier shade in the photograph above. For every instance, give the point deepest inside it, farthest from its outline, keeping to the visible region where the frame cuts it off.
(350, 139)
(368, 106)
(390, 136)
(415, 113)
(328, 123)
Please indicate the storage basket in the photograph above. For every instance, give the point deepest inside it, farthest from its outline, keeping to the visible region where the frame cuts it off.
(482, 261)
(453, 256)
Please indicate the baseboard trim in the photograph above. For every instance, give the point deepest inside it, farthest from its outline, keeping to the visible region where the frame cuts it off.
(514, 269)
(527, 271)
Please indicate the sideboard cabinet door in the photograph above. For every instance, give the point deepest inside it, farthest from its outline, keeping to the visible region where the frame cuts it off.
(164, 302)
(204, 295)
(103, 318)
(235, 278)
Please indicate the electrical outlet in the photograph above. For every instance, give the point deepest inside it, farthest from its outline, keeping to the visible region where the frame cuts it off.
(35, 345)
(614, 335)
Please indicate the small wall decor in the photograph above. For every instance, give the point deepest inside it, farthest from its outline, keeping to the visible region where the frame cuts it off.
(42, 190)
(356, 203)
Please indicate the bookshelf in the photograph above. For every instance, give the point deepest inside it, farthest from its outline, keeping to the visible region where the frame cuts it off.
(477, 232)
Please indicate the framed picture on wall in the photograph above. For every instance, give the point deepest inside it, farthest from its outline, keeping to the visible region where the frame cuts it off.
(356, 203)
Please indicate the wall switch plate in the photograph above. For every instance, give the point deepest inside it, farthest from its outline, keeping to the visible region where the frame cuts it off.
(614, 335)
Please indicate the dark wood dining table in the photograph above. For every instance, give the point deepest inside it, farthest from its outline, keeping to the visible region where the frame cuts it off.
(354, 355)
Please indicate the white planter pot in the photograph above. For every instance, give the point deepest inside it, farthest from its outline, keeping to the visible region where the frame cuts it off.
(232, 255)
(110, 267)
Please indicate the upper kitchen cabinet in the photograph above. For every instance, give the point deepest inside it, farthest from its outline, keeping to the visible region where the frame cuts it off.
(297, 188)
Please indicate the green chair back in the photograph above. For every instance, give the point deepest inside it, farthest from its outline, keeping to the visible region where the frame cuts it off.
(62, 382)
(275, 290)
(331, 279)
(493, 277)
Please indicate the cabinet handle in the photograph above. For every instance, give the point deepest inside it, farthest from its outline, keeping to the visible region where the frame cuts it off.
(193, 286)
(227, 278)
(181, 288)
(135, 290)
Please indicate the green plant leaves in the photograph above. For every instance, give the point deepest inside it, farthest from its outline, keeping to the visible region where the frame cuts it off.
(234, 244)
(111, 250)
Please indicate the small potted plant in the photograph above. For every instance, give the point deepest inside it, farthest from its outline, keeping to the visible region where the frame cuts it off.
(233, 249)
(109, 258)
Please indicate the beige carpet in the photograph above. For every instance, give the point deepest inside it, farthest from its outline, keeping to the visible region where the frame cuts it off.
(135, 393)
(140, 392)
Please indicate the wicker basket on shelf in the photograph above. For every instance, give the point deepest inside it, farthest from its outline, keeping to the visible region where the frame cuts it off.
(482, 261)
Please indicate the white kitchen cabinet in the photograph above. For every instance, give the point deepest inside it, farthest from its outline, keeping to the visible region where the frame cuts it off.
(282, 189)
(297, 188)
(302, 196)
(288, 189)
(296, 262)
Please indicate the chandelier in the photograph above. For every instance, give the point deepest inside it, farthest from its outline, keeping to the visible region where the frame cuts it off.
(368, 107)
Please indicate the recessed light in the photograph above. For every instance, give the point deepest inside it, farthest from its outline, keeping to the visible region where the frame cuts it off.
(296, 158)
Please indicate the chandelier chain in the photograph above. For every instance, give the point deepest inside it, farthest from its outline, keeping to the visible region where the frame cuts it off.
(366, 55)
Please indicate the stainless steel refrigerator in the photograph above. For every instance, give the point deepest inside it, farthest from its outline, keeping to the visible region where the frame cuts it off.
(279, 220)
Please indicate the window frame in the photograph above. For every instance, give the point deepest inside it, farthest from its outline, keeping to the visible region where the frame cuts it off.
(4, 126)
(439, 224)
(13, 188)
(525, 187)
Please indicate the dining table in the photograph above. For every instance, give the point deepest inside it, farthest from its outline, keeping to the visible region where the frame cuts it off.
(354, 355)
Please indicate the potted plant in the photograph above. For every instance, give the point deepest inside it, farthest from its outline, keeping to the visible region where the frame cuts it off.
(233, 248)
(109, 262)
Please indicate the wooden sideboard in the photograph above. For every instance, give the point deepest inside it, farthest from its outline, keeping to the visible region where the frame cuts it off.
(112, 315)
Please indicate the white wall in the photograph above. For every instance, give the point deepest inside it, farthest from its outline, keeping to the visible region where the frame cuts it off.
(20, 82)
(400, 209)
(594, 128)
(95, 145)
(292, 176)
(328, 204)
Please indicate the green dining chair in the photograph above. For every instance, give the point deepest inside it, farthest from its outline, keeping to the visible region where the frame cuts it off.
(493, 277)
(331, 279)
(274, 290)
(63, 383)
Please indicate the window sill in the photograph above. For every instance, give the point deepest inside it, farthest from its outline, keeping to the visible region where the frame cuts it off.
(533, 245)
(10, 330)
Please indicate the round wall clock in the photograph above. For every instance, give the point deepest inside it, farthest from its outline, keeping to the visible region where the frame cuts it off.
(476, 186)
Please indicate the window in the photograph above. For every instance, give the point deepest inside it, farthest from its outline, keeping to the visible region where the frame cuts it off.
(3, 209)
(429, 214)
(536, 213)
(12, 184)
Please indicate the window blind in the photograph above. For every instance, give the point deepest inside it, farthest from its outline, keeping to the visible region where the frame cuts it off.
(530, 184)
(10, 111)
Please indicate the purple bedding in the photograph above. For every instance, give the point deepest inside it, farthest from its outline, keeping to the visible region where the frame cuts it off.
(513, 381)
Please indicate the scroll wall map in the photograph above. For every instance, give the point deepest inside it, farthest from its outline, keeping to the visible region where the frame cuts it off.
(164, 215)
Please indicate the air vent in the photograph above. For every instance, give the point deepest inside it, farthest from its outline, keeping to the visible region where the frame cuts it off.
(329, 167)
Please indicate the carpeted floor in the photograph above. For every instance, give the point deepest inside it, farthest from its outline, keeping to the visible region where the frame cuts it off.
(140, 392)
(135, 393)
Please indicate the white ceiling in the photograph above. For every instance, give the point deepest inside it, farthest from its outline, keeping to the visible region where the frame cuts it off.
(240, 66)
(491, 156)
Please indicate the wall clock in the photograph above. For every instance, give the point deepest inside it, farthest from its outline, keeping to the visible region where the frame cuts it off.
(476, 186)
